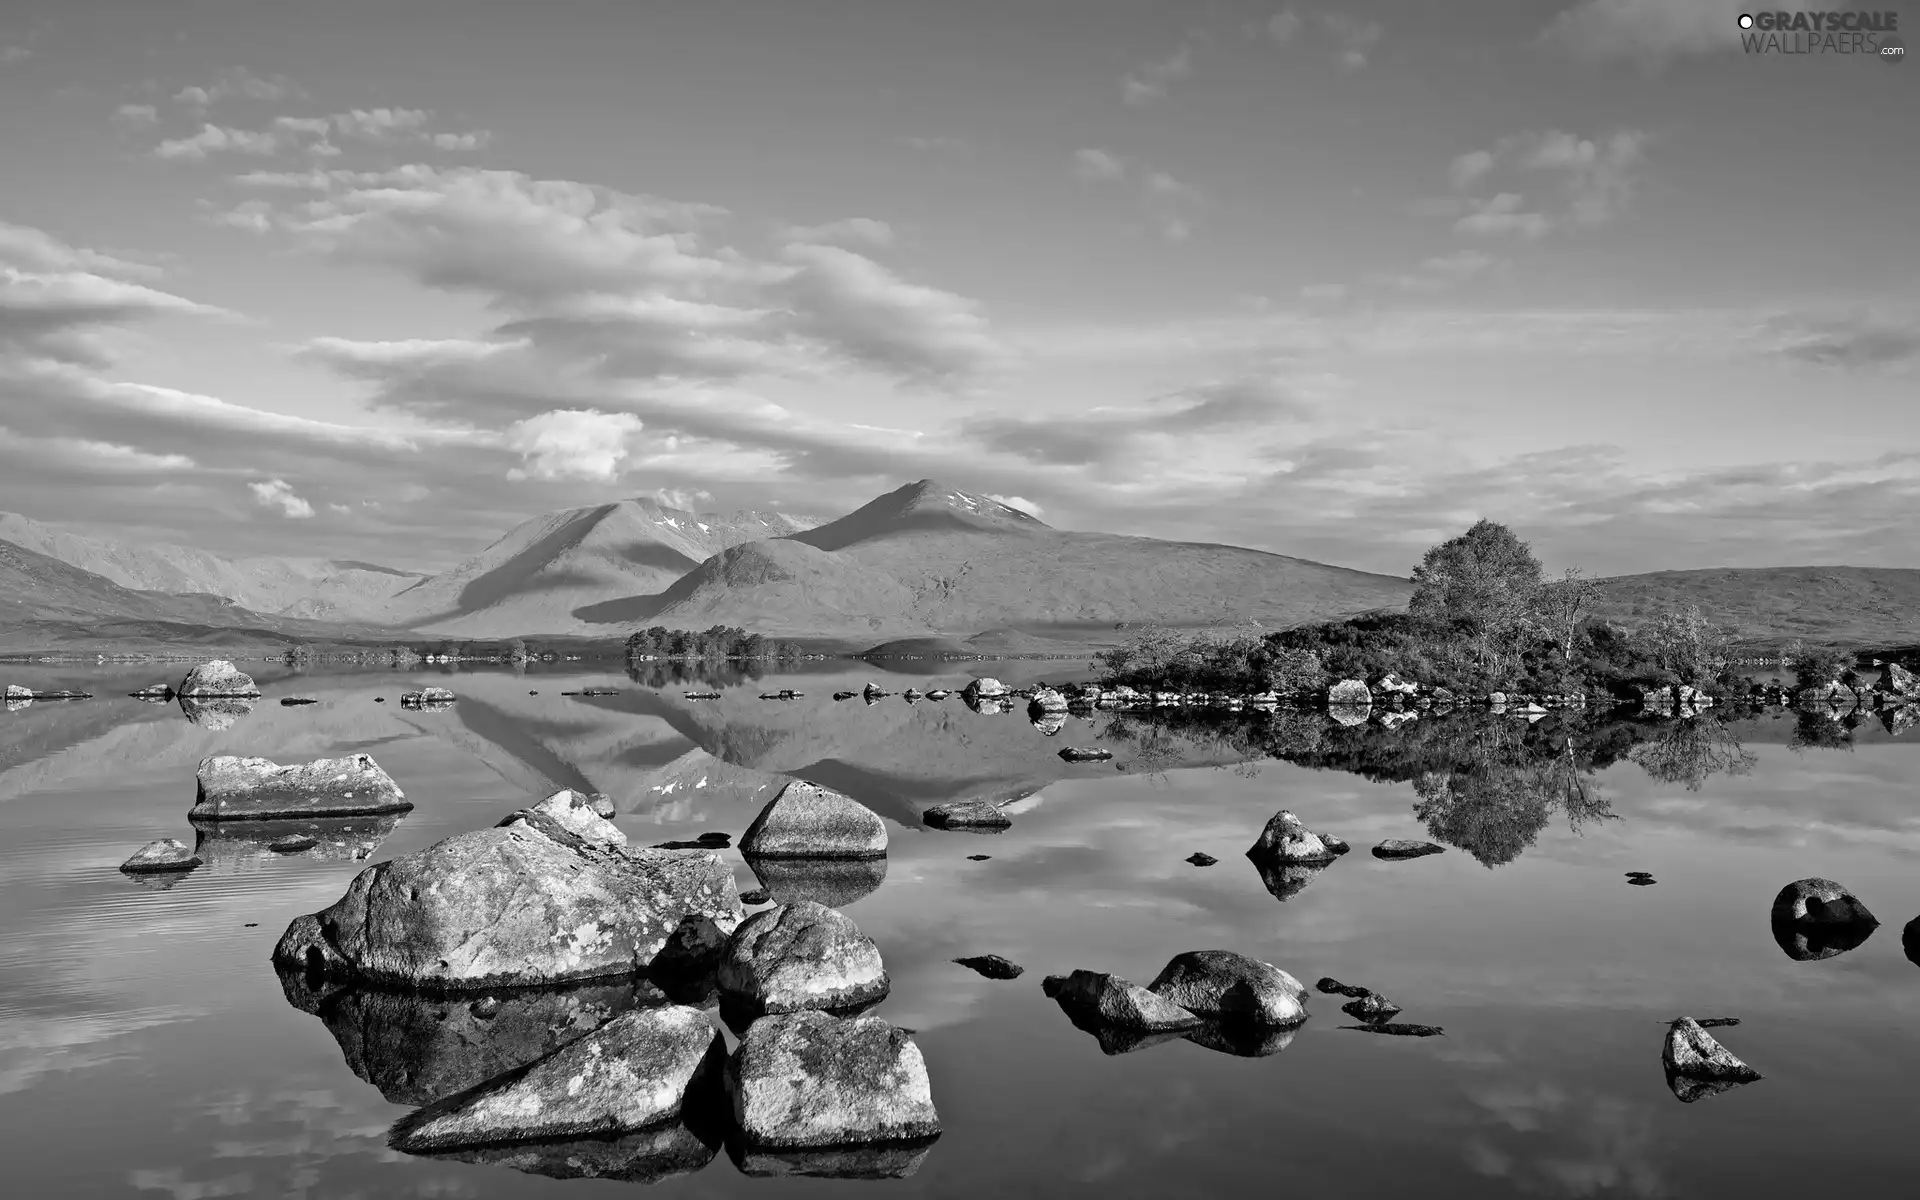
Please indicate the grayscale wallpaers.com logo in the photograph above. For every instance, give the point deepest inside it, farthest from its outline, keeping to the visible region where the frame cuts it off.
(1852, 32)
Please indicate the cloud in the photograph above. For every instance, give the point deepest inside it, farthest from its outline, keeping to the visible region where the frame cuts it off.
(237, 84)
(278, 493)
(381, 124)
(1857, 340)
(859, 231)
(1589, 181)
(1169, 203)
(217, 139)
(571, 444)
(135, 116)
(477, 139)
(684, 499)
(873, 318)
(60, 304)
(1020, 502)
(1466, 169)
(1354, 37)
(1151, 81)
(1098, 166)
(937, 142)
(1649, 33)
(1503, 215)
(1283, 25)
(14, 55)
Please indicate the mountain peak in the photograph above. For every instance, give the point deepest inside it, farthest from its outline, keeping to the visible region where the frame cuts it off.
(923, 506)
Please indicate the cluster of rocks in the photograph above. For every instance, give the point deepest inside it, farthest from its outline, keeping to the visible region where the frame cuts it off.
(1219, 999)
(554, 895)
(19, 697)
(1374, 1012)
(429, 698)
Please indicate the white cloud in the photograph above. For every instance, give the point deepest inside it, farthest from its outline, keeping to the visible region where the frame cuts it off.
(1021, 503)
(381, 124)
(1283, 25)
(236, 84)
(1466, 169)
(14, 55)
(1647, 32)
(1151, 81)
(217, 139)
(684, 499)
(1504, 215)
(278, 493)
(476, 139)
(571, 444)
(1354, 37)
(1590, 181)
(1170, 204)
(858, 231)
(135, 116)
(1098, 166)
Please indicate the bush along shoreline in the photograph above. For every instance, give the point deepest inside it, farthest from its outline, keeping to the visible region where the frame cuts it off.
(1486, 627)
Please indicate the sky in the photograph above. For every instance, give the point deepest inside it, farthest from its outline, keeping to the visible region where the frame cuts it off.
(380, 280)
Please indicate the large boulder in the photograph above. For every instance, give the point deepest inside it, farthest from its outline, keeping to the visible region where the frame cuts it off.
(1110, 1000)
(1902, 682)
(984, 686)
(810, 1080)
(800, 956)
(257, 789)
(1046, 699)
(217, 678)
(1819, 902)
(1287, 839)
(528, 902)
(1349, 693)
(808, 821)
(1228, 986)
(630, 1073)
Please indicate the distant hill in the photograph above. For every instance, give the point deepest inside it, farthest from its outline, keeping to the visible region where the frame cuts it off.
(929, 559)
(318, 588)
(532, 579)
(1860, 605)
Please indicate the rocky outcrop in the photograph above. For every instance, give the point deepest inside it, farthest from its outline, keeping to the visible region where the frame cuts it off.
(967, 814)
(1287, 839)
(529, 902)
(1223, 985)
(1902, 682)
(166, 854)
(808, 821)
(1371, 1008)
(631, 1073)
(808, 1080)
(800, 956)
(257, 789)
(217, 678)
(1046, 699)
(1402, 848)
(1349, 693)
(1698, 1065)
(1112, 1001)
(1832, 692)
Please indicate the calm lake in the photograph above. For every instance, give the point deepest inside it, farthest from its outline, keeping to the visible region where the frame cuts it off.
(147, 1047)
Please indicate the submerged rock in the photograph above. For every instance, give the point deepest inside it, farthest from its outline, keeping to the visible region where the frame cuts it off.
(1642, 881)
(1085, 754)
(808, 821)
(528, 902)
(1110, 1000)
(630, 1073)
(16, 692)
(1399, 1029)
(1241, 1039)
(801, 956)
(1693, 1057)
(888, 1160)
(218, 677)
(978, 857)
(809, 1080)
(1806, 942)
(257, 789)
(1333, 987)
(967, 814)
(165, 854)
(834, 882)
(938, 694)
(992, 966)
(692, 951)
(1402, 848)
(293, 843)
(1224, 985)
(1287, 839)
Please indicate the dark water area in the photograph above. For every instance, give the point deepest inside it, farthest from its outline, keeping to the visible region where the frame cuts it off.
(148, 1048)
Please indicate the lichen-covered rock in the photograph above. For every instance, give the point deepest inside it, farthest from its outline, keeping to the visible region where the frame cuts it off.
(1902, 682)
(808, 821)
(811, 1080)
(1691, 1053)
(528, 902)
(1287, 839)
(166, 854)
(1113, 1001)
(577, 813)
(217, 678)
(1399, 848)
(630, 1073)
(693, 949)
(257, 789)
(801, 956)
(984, 686)
(1349, 693)
(1820, 902)
(967, 814)
(1046, 699)
(1228, 986)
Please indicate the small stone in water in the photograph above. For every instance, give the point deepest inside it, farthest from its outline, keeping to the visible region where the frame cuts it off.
(756, 896)
(1643, 881)
(1639, 874)
(1201, 860)
(1333, 987)
(992, 966)
(978, 857)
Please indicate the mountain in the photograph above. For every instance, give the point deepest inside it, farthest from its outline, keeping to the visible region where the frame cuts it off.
(927, 558)
(532, 580)
(1861, 605)
(318, 588)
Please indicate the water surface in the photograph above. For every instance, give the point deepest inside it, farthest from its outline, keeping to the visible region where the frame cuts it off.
(148, 1048)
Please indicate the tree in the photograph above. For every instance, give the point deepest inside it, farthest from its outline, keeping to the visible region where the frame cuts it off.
(1816, 666)
(1560, 606)
(1484, 582)
(1683, 642)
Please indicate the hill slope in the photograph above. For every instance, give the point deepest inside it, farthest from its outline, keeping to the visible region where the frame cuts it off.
(323, 589)
(533, 579)
(1866, 605)
(931, 559)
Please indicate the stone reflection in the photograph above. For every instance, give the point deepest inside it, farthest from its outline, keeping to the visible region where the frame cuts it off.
(227, 847)
(1285, 880)
(1803, 942)
(680, 1147)
(418, 1049)
(891, 1160)
(1243, 1039)
(216, 712)
(834, 882)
